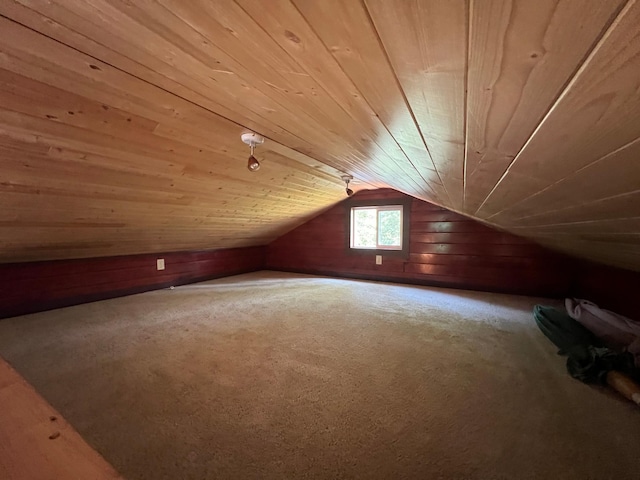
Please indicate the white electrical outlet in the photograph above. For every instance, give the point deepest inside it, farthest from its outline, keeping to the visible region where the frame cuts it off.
(378, 259)
(160, 263)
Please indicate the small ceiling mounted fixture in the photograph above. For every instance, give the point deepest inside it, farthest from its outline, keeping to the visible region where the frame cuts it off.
(346, 179)
(252, 139)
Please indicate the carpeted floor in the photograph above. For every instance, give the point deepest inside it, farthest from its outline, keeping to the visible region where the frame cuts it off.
(272, 375)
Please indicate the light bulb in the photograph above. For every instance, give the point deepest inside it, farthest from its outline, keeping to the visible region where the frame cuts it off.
(253, 165)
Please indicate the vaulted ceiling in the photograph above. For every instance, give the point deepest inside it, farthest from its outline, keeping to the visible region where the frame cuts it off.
(120, 120)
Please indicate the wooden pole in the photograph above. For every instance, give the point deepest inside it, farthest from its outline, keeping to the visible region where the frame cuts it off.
(624, 385)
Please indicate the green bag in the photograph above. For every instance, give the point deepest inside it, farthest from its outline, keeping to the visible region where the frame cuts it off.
(587, 359)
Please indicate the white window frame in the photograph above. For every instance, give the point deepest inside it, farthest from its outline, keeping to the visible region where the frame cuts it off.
(378, 208)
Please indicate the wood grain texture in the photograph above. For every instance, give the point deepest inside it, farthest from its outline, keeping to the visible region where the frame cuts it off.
(598, 113)
(558, 202)
(451, 251)
(196, 43)
(296, 35)
(96, 162)
(36, 443)
(35, 286)
(119, 120)
(427, 45)
(346, 30)
(521, 57)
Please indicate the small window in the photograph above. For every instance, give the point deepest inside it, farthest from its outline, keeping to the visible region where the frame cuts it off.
(377, 227)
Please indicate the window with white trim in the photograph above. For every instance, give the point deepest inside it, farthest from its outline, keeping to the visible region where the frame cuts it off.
(378, 227)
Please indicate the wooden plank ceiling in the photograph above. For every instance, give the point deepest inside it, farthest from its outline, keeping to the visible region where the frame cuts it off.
(120, 120)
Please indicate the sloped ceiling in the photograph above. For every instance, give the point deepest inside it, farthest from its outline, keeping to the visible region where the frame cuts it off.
(120, 120)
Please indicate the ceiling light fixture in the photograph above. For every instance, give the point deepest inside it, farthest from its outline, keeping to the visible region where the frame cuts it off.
(346, 179)
(252, 139)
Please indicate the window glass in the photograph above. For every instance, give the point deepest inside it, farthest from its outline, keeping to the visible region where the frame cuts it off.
(377, 228)
(364, 228)
(390, 228)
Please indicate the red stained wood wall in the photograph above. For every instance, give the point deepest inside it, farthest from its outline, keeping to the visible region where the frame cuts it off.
(446, 249)
(611, 288)
(36, 286)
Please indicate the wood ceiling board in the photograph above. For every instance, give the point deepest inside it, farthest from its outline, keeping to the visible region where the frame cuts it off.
(107, 86)
(277, 76)
(87, 164)
(578, 191)
(598, 113)
(345, 29)
(290, 30)
(370, 88)
(426, 42)
(323, 174)
(320, 169)
(144, 28)
(522, 54)
(248, 69)
(330, 109)
(620, 206)
(100, 113)
(28, 253)
(158, 72)
(98, 183)
(54, 27)
(73, 242)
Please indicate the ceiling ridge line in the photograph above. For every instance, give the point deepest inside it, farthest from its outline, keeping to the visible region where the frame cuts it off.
(406, 101)
(157, 86)
(615, 19)
(466, 106)
(366, 11)
(563, 179)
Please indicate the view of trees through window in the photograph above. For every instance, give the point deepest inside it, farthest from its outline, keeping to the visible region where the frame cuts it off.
(389, 228)
(377, 227)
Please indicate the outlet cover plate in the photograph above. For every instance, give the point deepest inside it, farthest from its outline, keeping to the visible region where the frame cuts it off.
(160, 264)
(378, 259)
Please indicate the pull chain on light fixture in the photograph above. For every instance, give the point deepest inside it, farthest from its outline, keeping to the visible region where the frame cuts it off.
(252, 139)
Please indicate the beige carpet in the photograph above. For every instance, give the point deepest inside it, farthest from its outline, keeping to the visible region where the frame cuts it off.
(272, 375)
